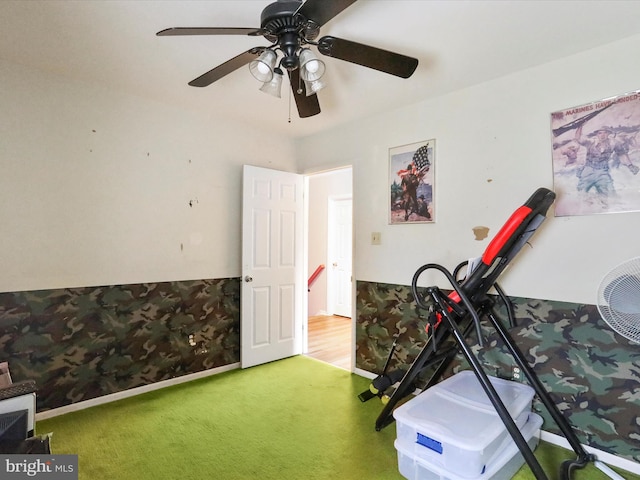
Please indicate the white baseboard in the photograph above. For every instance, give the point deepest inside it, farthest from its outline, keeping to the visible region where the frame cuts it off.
(74, 407)
(364, 373)
(609, 459)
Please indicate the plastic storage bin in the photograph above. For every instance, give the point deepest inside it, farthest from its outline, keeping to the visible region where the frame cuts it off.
(454, 425)
(503, 466)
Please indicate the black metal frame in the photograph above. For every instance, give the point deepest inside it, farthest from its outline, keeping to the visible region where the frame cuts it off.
(485, 310)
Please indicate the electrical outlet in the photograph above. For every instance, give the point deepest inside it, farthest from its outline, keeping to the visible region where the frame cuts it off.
(516, 373)
(376, 238)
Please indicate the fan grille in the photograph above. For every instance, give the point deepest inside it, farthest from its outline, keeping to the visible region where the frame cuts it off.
(619, 299)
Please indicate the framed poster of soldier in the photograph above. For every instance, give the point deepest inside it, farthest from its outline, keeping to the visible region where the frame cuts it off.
(596, 156)
(411, 182)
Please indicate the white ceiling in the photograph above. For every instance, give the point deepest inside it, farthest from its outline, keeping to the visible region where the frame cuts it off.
(458, 44)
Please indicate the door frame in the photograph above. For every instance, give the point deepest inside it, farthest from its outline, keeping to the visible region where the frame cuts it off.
(305, 303)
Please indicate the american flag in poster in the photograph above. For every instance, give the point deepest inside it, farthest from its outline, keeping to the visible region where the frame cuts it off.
(421, 159)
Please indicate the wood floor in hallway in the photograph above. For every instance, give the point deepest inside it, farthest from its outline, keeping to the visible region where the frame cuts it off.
(330, 340)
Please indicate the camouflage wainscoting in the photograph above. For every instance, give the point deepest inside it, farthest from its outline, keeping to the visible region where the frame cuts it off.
(83, 343)
(592, 373)
(384, 311)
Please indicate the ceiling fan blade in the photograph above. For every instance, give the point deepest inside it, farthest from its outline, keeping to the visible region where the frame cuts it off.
(321, 11)
(307, 106)
(367, 56)
(227, 67)
(167, 32)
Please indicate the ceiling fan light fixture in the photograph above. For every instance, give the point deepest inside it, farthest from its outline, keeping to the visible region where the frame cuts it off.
(273, 86)
(262, 67)
(311, 68)
(292, 27)
(314, 86)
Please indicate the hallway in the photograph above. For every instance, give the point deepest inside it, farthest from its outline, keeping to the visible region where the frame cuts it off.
(330, 340)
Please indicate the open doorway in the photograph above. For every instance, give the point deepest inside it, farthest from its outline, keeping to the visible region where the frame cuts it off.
(330, 253)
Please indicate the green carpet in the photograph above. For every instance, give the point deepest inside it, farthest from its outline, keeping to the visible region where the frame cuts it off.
(292, 419)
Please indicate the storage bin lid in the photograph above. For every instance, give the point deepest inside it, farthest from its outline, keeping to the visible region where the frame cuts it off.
(458, 411)
(466, 387)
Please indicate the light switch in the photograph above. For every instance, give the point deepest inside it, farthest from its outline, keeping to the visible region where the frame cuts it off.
(376, 238)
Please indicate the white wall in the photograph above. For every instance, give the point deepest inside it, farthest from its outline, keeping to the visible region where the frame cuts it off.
(493, 149)
(321, 187)
(96, 185)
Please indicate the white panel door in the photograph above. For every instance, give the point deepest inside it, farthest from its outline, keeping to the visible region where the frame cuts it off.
(272, 282)
(340, 256)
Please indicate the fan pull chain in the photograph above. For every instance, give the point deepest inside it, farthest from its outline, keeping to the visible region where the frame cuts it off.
(290, 95)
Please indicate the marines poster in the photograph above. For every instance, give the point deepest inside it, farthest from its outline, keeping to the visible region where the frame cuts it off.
(596, 156)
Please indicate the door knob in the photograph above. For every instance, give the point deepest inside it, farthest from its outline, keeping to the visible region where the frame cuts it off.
(247, 278)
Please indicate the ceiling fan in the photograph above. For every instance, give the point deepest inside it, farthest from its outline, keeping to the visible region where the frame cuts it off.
(291, 25)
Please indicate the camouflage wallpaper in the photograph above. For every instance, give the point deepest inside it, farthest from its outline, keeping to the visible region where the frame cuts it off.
(82, 343)
(591, 372)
